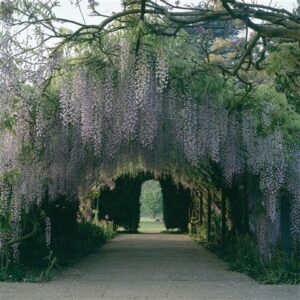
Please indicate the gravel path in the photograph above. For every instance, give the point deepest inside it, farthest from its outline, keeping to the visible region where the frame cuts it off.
(149, 266)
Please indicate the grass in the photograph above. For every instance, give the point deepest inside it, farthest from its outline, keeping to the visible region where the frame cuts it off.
(148, 225)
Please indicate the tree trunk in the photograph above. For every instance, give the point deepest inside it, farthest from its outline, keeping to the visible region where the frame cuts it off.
(209, 200)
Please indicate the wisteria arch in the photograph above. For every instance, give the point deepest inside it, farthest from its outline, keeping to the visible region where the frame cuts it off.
(133, 115)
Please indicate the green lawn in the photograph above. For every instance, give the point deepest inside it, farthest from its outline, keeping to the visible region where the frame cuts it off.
(148, 225)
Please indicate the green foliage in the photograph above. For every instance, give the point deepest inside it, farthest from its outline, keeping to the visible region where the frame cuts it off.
(151, 199)
(52, 260)
(297, 9)
(64, 226)
(200, 233)
(267, 101)
(283, 62)
(37, 268)
(6, 9)
(91, 236)
(176, 202)
(18, 273)
(32, 7)
(242, 255)
(7, 121)
(70, 240)
(122, 204)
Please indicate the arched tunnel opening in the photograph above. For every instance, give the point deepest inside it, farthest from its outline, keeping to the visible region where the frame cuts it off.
(208, 208)
(122, 204)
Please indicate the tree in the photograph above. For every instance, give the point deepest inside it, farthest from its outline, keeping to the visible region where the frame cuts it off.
(176, 204)
(161, 18)
(122, 203)
(151, 198)
(297, 10)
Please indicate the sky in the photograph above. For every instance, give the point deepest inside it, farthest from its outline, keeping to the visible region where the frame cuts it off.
(69, 11)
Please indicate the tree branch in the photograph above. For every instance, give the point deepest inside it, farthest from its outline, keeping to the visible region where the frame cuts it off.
(24, 237)
(142, 17)
(247, 52)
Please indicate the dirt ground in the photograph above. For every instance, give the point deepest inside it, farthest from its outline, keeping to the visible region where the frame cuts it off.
(149, 266)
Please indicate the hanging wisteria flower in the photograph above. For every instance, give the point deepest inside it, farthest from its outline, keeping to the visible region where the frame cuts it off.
(135, 115)
(48, 231)
(162, 70)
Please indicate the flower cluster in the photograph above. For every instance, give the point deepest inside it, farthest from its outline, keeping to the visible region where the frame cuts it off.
(48, 231)
(162, 70)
